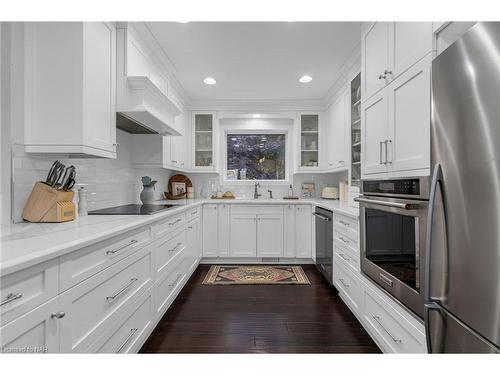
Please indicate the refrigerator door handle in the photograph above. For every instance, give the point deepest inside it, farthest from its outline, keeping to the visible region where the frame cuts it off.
(436, 177)
(428, 307)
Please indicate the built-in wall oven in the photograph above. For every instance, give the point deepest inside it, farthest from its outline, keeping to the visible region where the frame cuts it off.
(393, 222)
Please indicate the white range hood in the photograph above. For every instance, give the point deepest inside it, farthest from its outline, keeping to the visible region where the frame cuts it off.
(143, 104)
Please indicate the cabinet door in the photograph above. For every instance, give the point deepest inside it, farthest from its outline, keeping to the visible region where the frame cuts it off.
(203, 140)
(269, 235)
(409, 41)
(210, 231)
(34, 332)
(99, 88)
(374, 57)
(243, 235)
(289, 231)
(303, 231)
(409, 98)
(224, 230)
(193, 244)
(374, 130)
(337, 134)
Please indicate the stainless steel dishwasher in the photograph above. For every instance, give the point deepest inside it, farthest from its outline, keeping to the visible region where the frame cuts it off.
(324, 242)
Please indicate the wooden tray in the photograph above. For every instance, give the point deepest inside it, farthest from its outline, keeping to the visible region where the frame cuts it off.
(177, 178)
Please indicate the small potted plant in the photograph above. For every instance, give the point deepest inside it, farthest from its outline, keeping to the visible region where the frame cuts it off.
(147, 194)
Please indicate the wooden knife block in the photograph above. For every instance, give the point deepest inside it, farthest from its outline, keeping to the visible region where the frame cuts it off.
(48, 205)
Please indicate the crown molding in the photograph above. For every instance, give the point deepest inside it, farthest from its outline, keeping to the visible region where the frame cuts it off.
(257, 105)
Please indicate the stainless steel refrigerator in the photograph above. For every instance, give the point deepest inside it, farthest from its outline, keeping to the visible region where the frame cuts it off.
(463, 235)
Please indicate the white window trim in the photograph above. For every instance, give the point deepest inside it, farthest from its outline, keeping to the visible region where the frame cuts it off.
(288, 156)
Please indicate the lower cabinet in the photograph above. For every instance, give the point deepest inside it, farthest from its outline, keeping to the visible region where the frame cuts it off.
(35, 332)
(303, 231)
(210, 230)
(224, 227)
(243, 235)
(270, 235)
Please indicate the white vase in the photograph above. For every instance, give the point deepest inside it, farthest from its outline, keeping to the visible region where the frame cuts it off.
(147, 195)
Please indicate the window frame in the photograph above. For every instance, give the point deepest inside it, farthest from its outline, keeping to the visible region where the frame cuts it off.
(256, 131)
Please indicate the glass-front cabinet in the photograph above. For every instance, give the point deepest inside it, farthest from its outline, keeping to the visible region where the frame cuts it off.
(355, 131)
(309, 141)
(203, 147)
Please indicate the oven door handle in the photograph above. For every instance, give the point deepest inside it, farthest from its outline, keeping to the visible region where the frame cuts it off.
(405, 206)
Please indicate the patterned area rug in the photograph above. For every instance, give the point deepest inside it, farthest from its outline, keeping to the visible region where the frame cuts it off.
(240, 275)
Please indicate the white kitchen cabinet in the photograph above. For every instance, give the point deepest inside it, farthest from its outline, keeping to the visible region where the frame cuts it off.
(270, 235)
(289, 231)
(243, 235)
(309, 141)
(70, 75)
(337, 121)
(374, 132)
(303, 231)
(35, 332)
(388, 49)
(374, 57)
(204, 141)
(193, 243)
(210, 231)
(396, 125)
(224, 228)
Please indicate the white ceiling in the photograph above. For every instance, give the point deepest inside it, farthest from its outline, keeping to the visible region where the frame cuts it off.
(257, 60)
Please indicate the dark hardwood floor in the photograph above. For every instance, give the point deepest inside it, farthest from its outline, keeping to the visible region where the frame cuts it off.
(259, 319)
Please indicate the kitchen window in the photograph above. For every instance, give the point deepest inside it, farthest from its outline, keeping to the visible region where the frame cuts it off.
(256, 157)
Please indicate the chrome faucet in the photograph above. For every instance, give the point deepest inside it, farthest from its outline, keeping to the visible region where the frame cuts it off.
(270, 194)
(256, 194)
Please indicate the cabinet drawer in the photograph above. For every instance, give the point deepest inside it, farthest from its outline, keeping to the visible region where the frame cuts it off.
(128, 334)
(349, 286)
(168, 286)
(393, 331)
(346, 223)
(193, 214)
(256, 209)
(169, 225)
(93, 305)
(22, 291)
(346, 258)
(166, 249)
(346, 241)
(82, 264)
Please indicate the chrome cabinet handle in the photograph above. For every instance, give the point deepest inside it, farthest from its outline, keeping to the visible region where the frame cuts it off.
(344, 240)
(194, 212)
(344, 257)
(174, 161)
(175, 222)
(380, 153)
(190, 227)
(175, 247)
(386, 72)
(381, 76)
(111, 298)
(386, 152)
(378, 320)
(121, 248)
(179, 275)
(344, 223)
(11, 297)
(131, 334)
(58, 315)
(342, 281)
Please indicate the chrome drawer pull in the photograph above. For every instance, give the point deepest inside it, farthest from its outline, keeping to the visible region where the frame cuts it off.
(175, 222)
(175, 248)
(344, 257)
(58, 315)
(344, 223)
(176, 280)
(129, 337)
(344, 240)
(11, 297)
(111, 298)
(121, 248)
(343, 283)
(194, 212)
(377, 319)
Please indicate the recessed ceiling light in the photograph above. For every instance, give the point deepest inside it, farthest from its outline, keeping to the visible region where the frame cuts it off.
(256, 115)
(210, 81)
(305, 79)
(183, 21)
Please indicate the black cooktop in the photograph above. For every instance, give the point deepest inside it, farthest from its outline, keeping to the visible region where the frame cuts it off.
(132, 209)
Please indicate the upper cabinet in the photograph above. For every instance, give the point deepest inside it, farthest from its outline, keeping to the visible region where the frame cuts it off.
(390, 48)
(70, 81)
(336, 123)
(309, 136)
(203, 144)
(144, 93)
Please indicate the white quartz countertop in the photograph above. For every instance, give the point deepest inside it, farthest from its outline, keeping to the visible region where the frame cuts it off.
(26, 244)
